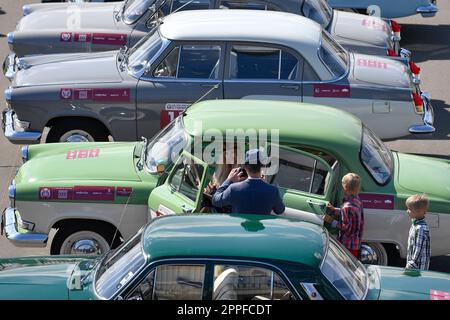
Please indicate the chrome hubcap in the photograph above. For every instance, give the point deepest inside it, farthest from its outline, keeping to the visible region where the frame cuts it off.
(84, 243)
(373, 253)
(368, 255)
(76, 136)
(86, 247)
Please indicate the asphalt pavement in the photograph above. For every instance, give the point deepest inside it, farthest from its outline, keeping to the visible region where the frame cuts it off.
(427, 38)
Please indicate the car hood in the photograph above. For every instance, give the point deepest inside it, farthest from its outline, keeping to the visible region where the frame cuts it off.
(370, 30)
(79, 161)
(76, 68)
(69, 17)
(420, 174)
(37, 277)
(399, 284)
(376, 70)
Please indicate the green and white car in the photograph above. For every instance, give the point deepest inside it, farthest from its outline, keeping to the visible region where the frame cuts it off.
(96, 194)
(185, 258)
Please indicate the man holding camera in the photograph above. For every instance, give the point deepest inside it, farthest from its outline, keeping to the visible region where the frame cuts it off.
(245, 190)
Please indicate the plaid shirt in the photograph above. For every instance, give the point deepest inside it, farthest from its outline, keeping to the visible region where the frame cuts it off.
(350, 223)
(418, 256)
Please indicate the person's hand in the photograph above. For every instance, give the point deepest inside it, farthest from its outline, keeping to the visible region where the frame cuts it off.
(236, 175)
(330, 206)
(327, 218)
(209, 188)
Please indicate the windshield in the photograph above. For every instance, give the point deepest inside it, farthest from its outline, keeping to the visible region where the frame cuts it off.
(171, 6)
(346, 274)
(141, 54)
(119, 266)
(376, 157)
(135, 9)
(333, 55)
(166, 147)
(319, 11)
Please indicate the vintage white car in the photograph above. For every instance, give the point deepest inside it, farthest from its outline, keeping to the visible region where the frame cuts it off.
(69, 27)
(208, 54)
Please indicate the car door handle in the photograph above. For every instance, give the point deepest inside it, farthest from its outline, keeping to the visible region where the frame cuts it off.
(186, 209)
(321, 205)
(291, 86)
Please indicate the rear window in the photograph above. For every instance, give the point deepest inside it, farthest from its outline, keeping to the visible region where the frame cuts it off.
(333, 55)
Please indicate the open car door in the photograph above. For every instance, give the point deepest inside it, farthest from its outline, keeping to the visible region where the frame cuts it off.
(183, 190)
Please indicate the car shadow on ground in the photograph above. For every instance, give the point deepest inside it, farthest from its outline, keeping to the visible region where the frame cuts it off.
(2, 11)
(427, 42)
(439, 263)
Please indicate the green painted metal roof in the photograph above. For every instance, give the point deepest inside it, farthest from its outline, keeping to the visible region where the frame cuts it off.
(301, 123)
(235, 235)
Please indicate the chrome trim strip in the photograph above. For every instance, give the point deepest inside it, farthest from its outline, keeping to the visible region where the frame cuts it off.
(21, 239)
(17, 137)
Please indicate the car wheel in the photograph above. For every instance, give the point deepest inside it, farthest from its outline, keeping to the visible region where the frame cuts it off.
(373, 253)
(80, 131)
(74, 239)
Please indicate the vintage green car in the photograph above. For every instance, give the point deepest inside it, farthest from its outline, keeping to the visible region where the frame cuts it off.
(98, 194)
(219, 257)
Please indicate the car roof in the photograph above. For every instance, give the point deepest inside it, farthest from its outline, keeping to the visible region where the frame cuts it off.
(235, 235)
(322, 127)
(243, 25)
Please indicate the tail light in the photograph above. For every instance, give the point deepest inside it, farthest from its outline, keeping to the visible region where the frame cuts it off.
(418, 102)
(396, 28)
(391, 52)
(414, 68)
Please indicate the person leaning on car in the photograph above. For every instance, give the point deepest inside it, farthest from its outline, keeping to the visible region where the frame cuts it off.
(251, 195)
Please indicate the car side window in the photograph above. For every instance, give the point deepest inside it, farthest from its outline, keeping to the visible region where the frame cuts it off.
(191, 62)
(300, 172)
(171, 282)
(308, 73)
(248, 5)
(261, 62)
(235, 282)
(187, 178)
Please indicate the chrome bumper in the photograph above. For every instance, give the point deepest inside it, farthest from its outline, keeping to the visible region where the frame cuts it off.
(428, 117)
(9, 66)
(18, 239)
(14, 136)
(428, 11)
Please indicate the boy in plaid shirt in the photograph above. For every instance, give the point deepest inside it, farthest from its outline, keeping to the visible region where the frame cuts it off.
(418, 256)
(350, 216)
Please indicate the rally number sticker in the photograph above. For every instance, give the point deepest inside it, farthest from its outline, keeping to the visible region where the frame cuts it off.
(170, 112)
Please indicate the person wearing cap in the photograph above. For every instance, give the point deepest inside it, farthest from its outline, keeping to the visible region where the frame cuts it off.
(246, 192)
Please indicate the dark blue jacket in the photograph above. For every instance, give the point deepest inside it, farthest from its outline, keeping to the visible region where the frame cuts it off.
(252, 196)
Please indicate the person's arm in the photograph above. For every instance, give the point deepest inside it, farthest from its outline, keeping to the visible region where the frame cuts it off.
(279, 206)
(345, 222)
(222, 197)
(420, 240)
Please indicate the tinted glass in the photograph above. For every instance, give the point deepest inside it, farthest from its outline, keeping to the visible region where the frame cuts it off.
(234, 282)
(249, 62)
(333, 55)
(249, 5)
(199, 61)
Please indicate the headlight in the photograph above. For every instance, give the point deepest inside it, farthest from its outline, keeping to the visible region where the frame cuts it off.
(26, 10)
(10, 37)
(24, 154)
(8, 95)
(12, 194)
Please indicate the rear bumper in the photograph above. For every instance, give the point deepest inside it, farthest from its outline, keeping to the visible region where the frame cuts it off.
(13, 134)
(428, 117)
(428, 11)
(9, 66)
(18, 239)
